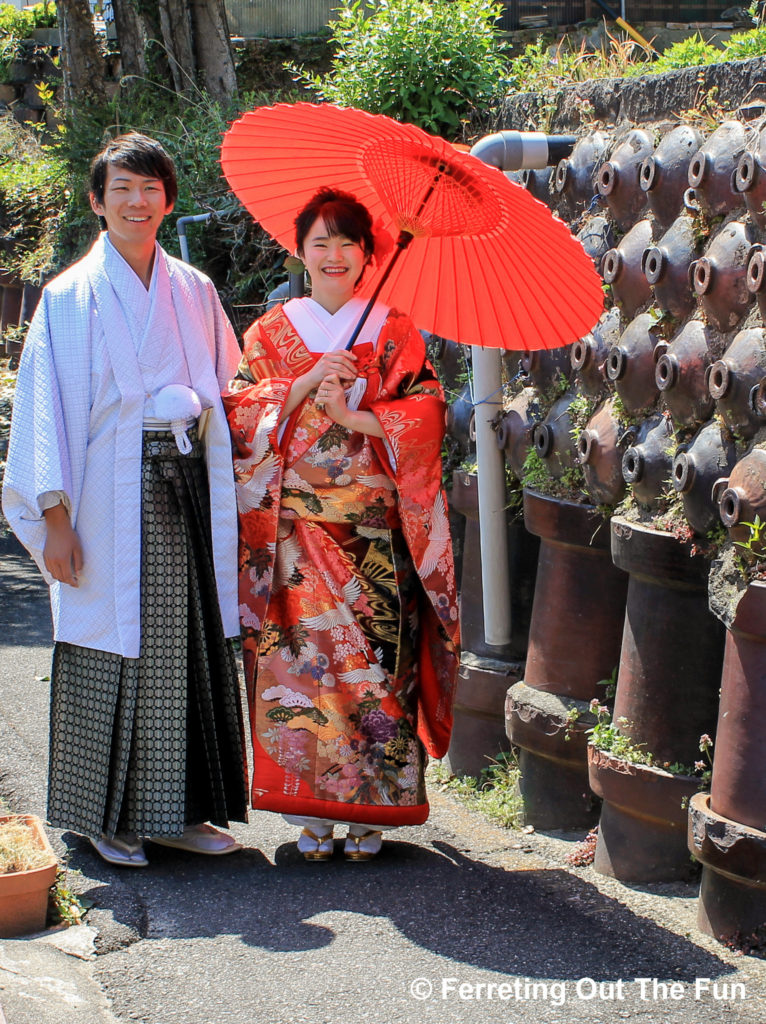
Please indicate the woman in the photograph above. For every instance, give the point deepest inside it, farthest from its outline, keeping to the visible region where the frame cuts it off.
(347, 589)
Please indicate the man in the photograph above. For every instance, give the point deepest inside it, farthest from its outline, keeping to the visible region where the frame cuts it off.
(119, 482)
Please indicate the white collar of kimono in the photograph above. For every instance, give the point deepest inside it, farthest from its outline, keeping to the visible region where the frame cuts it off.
(322, 331)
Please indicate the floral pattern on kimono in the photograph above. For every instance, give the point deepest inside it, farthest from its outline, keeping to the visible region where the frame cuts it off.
(347, 588)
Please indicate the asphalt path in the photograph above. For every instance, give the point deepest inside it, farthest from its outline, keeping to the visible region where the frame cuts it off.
(456, 921)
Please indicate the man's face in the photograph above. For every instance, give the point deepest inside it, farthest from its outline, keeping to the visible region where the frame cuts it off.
(133, 206)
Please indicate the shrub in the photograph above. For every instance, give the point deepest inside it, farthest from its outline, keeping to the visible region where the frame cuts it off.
(431, 62)
(743, 45)
(688, 53)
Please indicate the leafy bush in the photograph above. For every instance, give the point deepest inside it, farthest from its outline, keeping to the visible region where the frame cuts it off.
(743, 45)
(431, 62)
(688, 53)
(33, 195)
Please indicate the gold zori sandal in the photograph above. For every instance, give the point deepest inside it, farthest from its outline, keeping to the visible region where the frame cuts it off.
(314, 847)
(363, 847)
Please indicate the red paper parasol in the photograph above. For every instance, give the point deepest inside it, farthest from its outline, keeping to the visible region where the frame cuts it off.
(487, 265)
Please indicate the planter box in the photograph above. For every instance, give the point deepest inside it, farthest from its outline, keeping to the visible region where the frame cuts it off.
(24, 894)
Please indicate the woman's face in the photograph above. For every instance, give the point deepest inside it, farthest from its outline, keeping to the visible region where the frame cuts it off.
(334, 264)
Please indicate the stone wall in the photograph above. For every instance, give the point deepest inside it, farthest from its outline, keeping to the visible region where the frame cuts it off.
(651, 99)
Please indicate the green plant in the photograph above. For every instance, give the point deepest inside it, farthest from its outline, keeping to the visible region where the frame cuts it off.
(754, 545)
(610, 685)
(495, 793)
(65, 906)
(605, 735)
(431, 62)
(687, 53)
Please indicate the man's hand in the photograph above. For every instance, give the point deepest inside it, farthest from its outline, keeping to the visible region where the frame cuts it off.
(62, 553)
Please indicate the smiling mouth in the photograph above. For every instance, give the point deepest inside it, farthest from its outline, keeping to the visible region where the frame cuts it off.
(333, 271)
(137, 220)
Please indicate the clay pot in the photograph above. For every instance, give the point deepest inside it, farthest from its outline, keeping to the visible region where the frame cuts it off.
(544, 366)
(755, 276)
(588, 354)
(646, 464)
(617, 179)
(600, 449)
(696, 468)
(750, 179)
(596, 238)
(720, 276)
(622, 269)
(451, 359)
(574, 179)
(712, 168)
(553, 439)
(733, 381)
(579, 590)
(522, 569)
(666, 266)
(664, 174)
(728, 832)
(514, 432)
(742, 495)
(461, 420)
(732, 898)
(552, 752)
(538, 183)
(680, 374)
(630, 364)
(24, 894)
(667, 696)
(642, 828)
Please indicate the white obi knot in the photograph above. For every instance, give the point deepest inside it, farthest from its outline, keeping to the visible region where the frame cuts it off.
(180, 406)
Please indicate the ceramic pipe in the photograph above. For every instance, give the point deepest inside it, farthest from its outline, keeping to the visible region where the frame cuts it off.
(506, 151)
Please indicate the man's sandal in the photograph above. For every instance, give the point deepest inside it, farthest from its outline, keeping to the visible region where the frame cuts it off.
(363, 847)
(314, 847)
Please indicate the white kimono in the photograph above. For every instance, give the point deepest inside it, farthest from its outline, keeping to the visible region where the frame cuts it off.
(99, 347)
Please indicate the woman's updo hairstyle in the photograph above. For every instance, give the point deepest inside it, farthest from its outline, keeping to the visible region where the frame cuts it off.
(342, 213)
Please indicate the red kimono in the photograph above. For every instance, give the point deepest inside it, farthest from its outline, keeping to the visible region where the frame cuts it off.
(347, 585)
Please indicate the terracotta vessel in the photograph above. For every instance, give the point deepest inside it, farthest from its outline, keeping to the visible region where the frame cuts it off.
(487, 670)
(24, 894)
(755, 277)
(664, 174)
(667, 696)
(514, 431)
(589, 354)
(750, 179)
(727, 830)
(720, 276)
(642, 828)
(461, 420)
(733, 379)
(544, 366)
(451, 358)
(574, 180)
(622, 269)
(596, 238)
(538, 183)
(617, 179)
(742, 495)
(666, 266)
(647, 462)
(697, 466)
(680, 374)
(712, 168)
(553, 440)
(630, 364)
(580, 590)
(600, 448)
